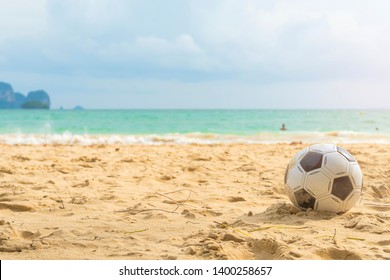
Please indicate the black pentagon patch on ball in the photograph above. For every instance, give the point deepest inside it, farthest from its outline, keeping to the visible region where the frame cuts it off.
(311, 161)
(305, 199)
(342, 187)
(346, 154)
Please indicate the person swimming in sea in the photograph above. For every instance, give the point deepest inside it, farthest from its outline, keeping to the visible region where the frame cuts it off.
(283, 128)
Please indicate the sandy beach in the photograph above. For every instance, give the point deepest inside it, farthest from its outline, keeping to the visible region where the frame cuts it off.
(224, 201)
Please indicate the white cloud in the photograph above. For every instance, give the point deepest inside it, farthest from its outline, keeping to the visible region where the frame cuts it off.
(343, 24)
(297, 38)
(182, 44)
(261, 43)
(22, 19)
(279, 39)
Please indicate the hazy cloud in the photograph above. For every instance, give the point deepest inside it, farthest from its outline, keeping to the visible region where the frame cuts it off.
(197, 44)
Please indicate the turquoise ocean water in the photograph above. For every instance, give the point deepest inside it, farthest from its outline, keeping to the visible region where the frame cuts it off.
(192, 126)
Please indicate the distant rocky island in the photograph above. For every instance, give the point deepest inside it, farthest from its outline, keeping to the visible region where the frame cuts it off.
(38, 99)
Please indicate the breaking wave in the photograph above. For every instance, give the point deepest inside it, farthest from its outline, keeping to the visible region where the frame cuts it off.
(195, 138)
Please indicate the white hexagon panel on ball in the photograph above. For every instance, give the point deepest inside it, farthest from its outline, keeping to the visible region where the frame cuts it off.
(329, 204)
(323, 148)
(318, 183)
(295, 177)
(356, 175)
(336, 163)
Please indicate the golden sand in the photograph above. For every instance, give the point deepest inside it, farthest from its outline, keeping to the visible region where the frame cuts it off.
(180, 202)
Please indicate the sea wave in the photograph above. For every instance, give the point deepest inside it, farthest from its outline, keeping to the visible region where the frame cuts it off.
(195, 138)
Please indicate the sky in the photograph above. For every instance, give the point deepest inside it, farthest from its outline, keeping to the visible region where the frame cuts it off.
(287, 54)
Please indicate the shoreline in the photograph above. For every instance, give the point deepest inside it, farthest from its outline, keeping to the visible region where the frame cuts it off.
(284, 137)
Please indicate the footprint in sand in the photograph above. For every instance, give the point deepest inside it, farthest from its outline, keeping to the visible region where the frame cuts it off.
(368, 224)
(82, 185)
(188, 214)
(208, 213)
(217, 244)
(206, 248)
(384, 242)
(6, 197)
(167, 177)
(12, 240)
(5, 170)
(20, 158)
(247, 168)
(16, 207)
(80, 200)
(191, 168)
(87, 159)
(202, 159)
(380, 192)
(236, 199)
(269, 249)
(337, 254)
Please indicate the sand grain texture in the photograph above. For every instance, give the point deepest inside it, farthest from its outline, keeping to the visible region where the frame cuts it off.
(180, 202)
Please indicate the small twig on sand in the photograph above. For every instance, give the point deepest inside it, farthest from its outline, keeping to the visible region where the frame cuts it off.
(60, 200)
(225, 225)
(189, 222)
(72, 198)
(136, 231)
(179, 203)
(136, 211)
(355, 238)
(277, 226)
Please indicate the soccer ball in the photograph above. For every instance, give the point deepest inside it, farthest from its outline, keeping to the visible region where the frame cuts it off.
(324, 177)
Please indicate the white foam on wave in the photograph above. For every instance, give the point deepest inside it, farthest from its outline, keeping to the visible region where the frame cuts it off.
(194, 138)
